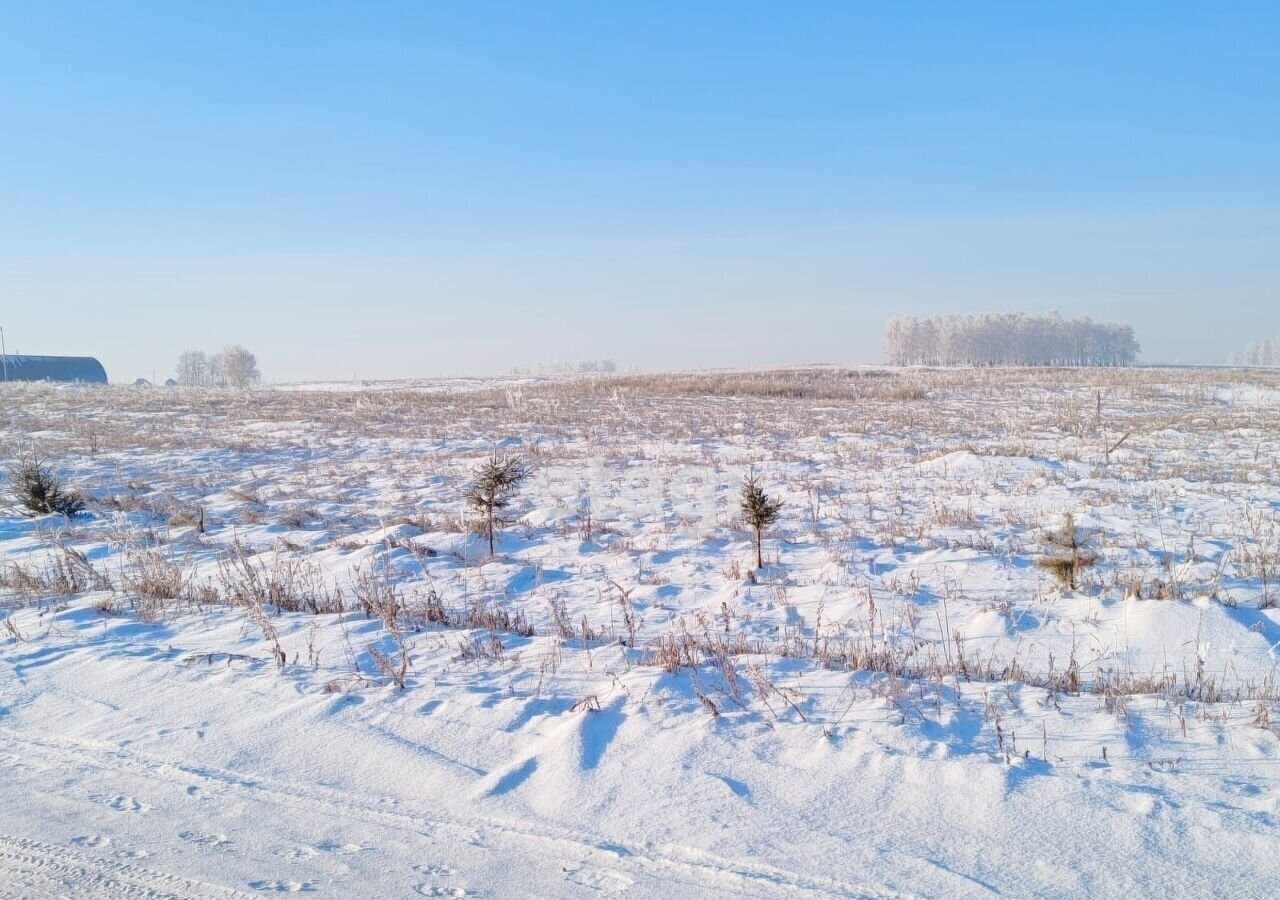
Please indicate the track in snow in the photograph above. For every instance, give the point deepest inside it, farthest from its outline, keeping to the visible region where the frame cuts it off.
(584, 864)
(33, 869)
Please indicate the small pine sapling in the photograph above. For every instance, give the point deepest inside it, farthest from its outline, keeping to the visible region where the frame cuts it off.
(40, 491)
(1068, 552)
(760, 511)
(493, 487)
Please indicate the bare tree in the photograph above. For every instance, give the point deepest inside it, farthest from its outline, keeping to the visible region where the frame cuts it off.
(193, 368)
(236, 367)
(493, 487)
(760, 510)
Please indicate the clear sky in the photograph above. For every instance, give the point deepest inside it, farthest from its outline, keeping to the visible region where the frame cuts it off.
(388, 190)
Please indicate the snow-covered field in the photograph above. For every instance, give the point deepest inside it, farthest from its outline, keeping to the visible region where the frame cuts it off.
(198, 680)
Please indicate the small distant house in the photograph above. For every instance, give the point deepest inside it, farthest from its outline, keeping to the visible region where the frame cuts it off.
(53, 368)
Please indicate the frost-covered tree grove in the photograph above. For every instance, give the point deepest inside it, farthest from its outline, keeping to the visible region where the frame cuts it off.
(193, 368)
(234, 367)
(1009, 339)
(1263, 353)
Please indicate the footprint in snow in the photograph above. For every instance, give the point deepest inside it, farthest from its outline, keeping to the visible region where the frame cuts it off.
(340, 849)
(434, 870)
(92, 840)
(439, 890)
(133, 854)
(600, 880)
(283, 887)
(204, 839)
(120, 803)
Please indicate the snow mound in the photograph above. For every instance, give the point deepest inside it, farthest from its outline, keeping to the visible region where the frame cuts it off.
(965, 464)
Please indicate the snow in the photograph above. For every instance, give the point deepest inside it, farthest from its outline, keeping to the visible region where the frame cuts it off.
(155, 748)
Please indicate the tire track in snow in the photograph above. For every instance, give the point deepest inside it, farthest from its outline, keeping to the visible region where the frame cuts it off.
(33, 869)
(669, 863)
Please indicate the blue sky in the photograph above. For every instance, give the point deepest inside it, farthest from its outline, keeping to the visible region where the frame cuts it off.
(390, 190)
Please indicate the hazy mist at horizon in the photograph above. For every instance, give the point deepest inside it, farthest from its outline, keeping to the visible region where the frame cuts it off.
(401, 191)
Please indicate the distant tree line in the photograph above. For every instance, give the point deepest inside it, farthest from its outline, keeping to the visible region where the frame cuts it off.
(234, 367)
(1008, 339)
(585, 367)
(1261, 353)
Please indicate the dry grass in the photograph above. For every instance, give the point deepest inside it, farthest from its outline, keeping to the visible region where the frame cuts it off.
(64, 572)
(337, 462)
